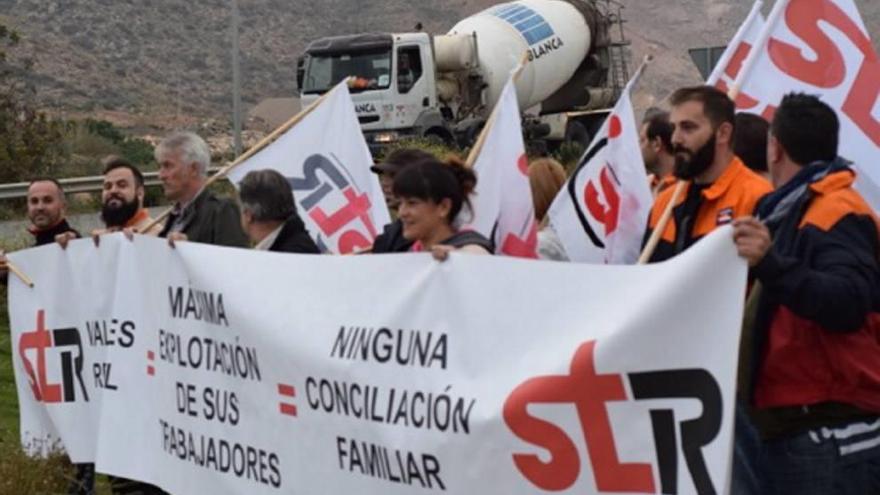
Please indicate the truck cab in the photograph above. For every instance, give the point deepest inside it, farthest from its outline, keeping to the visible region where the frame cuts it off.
(392, 82)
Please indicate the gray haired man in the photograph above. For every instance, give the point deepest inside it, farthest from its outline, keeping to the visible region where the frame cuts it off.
(268, 214)
(198, 214)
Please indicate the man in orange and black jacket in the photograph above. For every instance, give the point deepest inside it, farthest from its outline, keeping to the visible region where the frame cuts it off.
(813, 348)
(719, 186)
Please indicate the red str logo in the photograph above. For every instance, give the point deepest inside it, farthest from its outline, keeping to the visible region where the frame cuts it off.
(67, 341)
(523, 247)
(828, 69)
(357, 207)
(605, 214)
(733, 67)
(523, 244)
(325, 181)
(589, 392)
(523, 165)
(39, 339)
(823, 64)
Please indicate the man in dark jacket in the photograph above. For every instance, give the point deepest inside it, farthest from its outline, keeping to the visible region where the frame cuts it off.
(268, 214)
(198, 214)
(46, 210)
(391, 239)
(812, 351)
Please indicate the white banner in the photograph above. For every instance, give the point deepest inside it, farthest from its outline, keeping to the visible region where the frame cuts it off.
(327, 163)
(218, 370)
(817, 47)
(602, 210)
(503, 208)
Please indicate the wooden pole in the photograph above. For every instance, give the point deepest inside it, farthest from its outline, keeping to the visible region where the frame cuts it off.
(269, 139)
(220, 173)
(661, 223)
(757, 50)
(161, 218)
(484, 133)
(667, 213)
(21, 276)
(734, 43)
(481, 140)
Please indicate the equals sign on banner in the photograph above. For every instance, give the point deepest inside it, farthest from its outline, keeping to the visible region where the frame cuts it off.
(288, 393)
(151, 358)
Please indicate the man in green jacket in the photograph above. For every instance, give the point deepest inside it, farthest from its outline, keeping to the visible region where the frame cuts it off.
(198, 214)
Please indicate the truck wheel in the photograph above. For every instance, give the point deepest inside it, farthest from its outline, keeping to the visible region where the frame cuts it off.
(577, 133)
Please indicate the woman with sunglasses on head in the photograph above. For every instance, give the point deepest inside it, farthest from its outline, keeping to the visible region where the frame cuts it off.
(432, 194)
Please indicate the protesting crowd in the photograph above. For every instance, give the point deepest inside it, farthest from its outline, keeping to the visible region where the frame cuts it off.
(777, 151)
(808, 405)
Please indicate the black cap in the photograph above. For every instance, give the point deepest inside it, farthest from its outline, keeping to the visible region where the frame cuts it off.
(399, 158)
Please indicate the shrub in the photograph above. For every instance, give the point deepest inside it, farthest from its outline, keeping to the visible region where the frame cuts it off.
(569, 154)
(30, 144)
(432, 146)
(20, 473)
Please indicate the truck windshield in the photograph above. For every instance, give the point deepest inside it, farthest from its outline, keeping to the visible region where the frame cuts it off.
(368, 70)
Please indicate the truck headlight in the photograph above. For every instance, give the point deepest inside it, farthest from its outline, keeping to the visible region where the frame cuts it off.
(385, 137)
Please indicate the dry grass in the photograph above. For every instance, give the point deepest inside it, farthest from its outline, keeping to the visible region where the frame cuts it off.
(19, 473)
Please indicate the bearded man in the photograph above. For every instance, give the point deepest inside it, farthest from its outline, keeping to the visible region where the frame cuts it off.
(122, 202)
(123, 198)
(719, 187)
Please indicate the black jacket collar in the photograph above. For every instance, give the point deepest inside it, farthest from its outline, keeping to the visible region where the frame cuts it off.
(47, 236)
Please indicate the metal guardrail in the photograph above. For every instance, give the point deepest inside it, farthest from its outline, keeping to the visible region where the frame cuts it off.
(80, 184)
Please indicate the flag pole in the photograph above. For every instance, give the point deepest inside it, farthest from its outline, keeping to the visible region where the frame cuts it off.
(269, 139)
(756, 51)
(20, 274)
(728, 53)
(646, 60)
(732, 93)
(721, 65)
(651, 245)
(484, 133)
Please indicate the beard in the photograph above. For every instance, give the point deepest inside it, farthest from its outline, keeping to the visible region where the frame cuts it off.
(690, 164)
(117, 216)
(651, 165)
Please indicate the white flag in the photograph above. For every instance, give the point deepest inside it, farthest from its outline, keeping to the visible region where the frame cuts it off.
(602, 211)
(819, 47)
(327, 163)
(738, 48)
(502, 206)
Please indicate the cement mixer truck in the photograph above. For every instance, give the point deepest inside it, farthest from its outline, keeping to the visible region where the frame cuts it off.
(444, 87)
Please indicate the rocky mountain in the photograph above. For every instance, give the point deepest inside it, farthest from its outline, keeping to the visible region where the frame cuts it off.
(169, 60)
